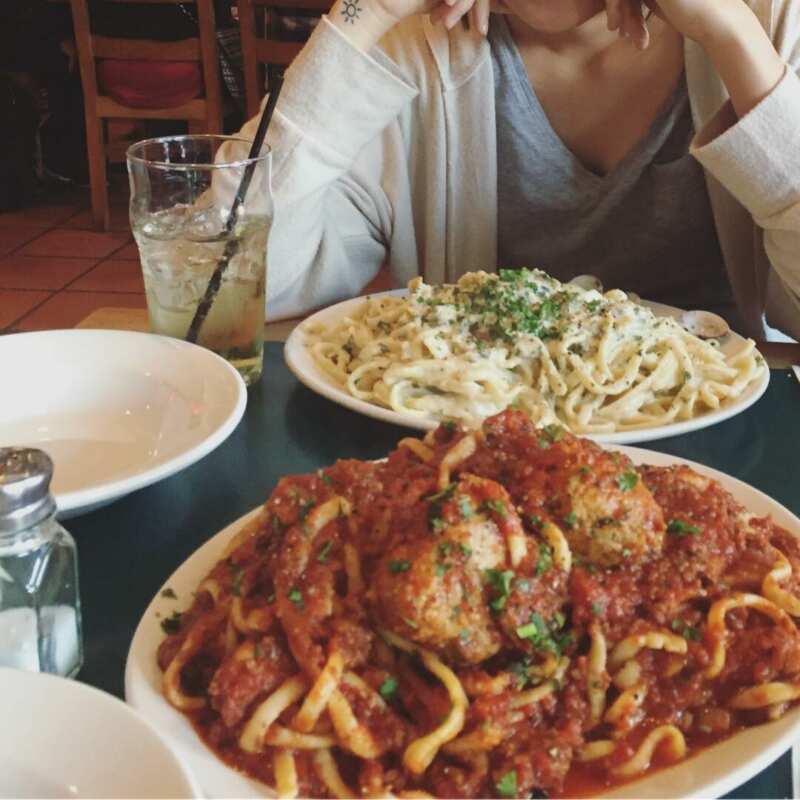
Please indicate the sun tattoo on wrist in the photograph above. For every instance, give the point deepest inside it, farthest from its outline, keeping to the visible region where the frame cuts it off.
(351, 10)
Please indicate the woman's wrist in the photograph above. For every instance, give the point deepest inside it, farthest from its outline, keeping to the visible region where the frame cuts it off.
(363, 22)
(742, 55)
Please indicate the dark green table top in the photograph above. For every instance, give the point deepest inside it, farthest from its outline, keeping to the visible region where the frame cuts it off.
(128, 549)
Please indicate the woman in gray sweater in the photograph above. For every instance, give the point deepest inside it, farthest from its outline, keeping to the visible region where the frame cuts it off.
(569, 135)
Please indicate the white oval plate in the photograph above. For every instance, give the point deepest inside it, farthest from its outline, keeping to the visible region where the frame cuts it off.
(115, 410)
(61, 738)
(711, 773)
(301, 363)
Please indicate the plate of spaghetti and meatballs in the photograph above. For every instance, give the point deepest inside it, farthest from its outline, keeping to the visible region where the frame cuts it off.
(504, 612)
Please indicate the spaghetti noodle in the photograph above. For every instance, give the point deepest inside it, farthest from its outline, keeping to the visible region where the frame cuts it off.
(486, 614)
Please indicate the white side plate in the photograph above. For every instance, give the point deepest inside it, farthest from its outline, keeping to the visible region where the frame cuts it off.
(61, 738)
(301, 363)
(711, 773)
(115, 410)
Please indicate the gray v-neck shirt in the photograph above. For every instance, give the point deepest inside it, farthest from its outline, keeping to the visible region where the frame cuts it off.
(645, 227)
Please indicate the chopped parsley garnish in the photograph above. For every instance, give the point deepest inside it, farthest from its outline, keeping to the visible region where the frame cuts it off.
(519, 670)
(435, 520)
(597, 609)
(687, 376)
(592, 306)
(441, 569)
(507, 785)
(688, 632)
(350, 346)
(296, 596)
(277, 525)
(172, 625)
(466, 551)
(545, 558)
(555, 432)
(464, 634)
(465, 507)
(169, 593)
(401, 565)
(445, 547)
(570, 519)
(325, 552)
(546, 637)
(449, 425)
(498, 506)
(325, 478)
(501, 583)
(536, 522)
(503, 308)
(678, 527)
(443, 495)
(388, 688)
(305, 507)
(523, 584)
(584, 470)
(627, 480)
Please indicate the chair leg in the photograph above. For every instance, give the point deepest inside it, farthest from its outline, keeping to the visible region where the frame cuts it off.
(95, 145)
(198, 126)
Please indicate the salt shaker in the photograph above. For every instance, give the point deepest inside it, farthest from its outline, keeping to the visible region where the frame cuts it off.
(40, 621)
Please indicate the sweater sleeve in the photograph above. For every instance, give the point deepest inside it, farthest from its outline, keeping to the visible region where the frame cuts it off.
(332, 217)
(757, 159)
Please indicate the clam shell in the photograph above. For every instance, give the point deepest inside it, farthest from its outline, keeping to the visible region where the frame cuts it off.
(704, 324)
(588, 282)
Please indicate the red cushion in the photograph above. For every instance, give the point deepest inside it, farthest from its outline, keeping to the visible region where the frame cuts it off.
(150, 84)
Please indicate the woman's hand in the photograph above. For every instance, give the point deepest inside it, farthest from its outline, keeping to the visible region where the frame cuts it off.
(364, 22)
(699, 20)
(729, 32)
(475, 12)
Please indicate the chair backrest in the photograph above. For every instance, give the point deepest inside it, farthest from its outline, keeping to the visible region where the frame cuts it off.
(269, 51)
(202, 48)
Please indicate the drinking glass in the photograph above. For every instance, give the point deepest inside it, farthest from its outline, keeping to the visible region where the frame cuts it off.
(182, 191)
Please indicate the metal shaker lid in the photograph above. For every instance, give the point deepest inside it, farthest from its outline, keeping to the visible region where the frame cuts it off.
(25, 497)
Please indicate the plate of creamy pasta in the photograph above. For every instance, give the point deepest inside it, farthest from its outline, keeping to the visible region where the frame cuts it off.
(598, 363)
(496, 612)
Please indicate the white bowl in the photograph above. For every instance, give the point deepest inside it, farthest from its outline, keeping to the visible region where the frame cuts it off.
(61, 738)
(115, 410)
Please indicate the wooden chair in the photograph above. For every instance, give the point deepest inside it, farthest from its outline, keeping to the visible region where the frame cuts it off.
(268, 51)
(204, 115)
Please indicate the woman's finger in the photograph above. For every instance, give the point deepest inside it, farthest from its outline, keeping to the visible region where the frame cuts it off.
(438, 13)
(614, 14)
(635, 26)
(479, 16)
(454, 13)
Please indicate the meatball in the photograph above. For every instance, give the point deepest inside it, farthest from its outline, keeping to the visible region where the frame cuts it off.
(596, 497)
(431, 585)
(613, 517)
(427, 591)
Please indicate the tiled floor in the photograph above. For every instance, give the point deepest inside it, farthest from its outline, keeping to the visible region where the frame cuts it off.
(55, 269)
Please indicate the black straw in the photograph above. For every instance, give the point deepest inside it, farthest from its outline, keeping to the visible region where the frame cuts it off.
(232, 245)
